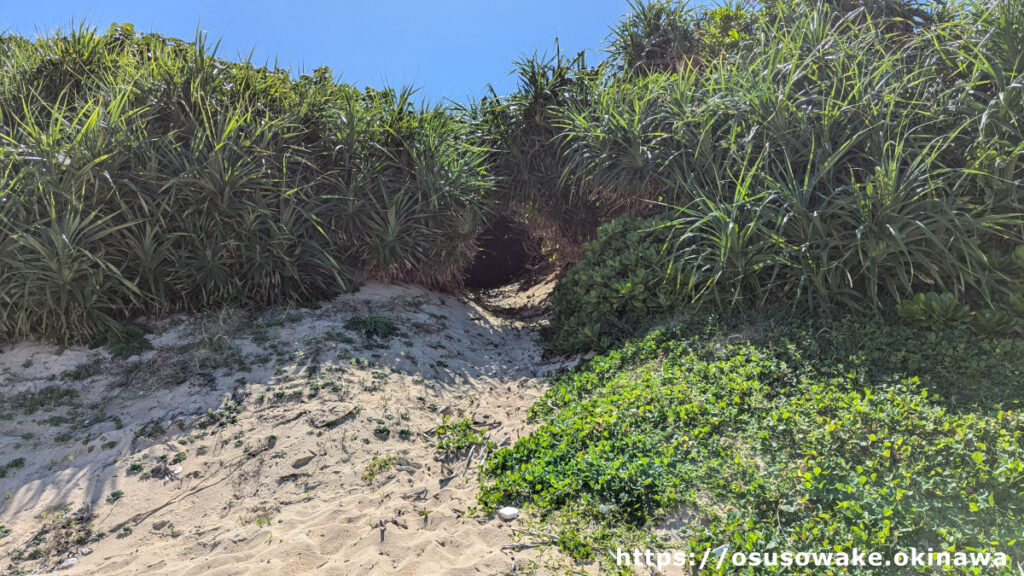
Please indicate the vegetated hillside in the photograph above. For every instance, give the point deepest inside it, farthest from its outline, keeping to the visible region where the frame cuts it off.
(836, 156)
(836, 187)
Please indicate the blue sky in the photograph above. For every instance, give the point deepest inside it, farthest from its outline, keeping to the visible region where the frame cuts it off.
(447, 48)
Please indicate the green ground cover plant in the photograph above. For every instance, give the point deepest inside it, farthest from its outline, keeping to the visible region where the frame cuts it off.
(788, 438)
(377, 466)
(620, 284)
(458, 435)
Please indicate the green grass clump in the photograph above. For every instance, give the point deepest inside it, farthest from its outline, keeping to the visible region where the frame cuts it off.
(47, 398)
(129, 341)
(227, 414)
(15, 464)
(780, 439)
(373, 326)
(80, 372)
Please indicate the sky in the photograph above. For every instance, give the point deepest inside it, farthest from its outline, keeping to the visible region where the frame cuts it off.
(449, 49)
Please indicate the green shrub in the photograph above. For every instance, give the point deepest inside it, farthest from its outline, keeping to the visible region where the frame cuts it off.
(15, 464)
(1015, 302)
(939, 311)
(620, 284)
(993, 321)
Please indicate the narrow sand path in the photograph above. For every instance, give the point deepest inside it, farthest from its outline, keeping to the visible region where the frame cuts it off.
(285, 444)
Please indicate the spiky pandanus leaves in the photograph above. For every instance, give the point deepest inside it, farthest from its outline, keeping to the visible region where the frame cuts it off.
(825, 164)
(142, 174)
(410, 196)
(987, 61)
(61, 259)
(59, 280)
(656, 36)
(524, 132)
(613, 143)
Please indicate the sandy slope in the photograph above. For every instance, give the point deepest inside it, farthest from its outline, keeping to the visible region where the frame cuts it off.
(281, 489)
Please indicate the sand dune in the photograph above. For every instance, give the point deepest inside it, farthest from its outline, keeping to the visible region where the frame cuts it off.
(249, 446)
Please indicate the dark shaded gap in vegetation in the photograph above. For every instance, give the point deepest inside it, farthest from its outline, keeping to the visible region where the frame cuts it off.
(505, 253)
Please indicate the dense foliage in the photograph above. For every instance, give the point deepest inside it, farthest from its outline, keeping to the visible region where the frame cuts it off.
(145, 174)
(840, 435)
(831, 155)
(524, 135)
(625, 282)
(619, 285)
(833, 160)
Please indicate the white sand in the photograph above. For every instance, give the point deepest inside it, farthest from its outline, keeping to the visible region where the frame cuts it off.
(281, 490)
